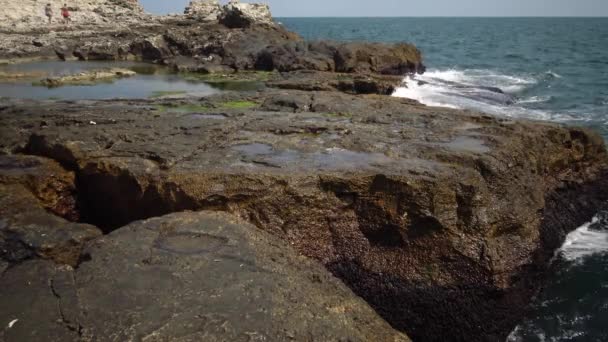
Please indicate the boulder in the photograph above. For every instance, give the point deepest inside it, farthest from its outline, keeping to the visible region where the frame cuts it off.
(293, 56)
(398, 59)
(191, 277)
(203, 10)
(239, 15)
(151, 49)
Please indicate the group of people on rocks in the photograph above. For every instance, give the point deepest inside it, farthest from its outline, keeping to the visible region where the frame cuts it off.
(65, 13)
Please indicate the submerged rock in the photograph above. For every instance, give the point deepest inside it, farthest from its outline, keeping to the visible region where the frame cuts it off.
(190, 276)
(86, 78)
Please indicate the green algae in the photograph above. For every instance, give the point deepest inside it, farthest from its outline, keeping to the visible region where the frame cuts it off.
(238, 105)
(162, 93)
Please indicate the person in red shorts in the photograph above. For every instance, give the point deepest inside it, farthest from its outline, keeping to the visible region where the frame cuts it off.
(65, 13)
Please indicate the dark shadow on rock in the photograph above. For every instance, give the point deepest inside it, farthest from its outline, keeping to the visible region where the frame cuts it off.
(433, 313)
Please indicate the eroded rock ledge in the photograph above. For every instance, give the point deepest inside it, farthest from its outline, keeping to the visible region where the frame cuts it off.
(443, 220)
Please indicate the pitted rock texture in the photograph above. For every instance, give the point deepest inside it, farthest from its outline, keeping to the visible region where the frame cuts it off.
(236, 14)
(31, 13)
(205, 10)
(185, 277)
(443, 220)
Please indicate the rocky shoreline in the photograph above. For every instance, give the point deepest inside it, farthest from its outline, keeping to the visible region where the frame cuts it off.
(240, 216)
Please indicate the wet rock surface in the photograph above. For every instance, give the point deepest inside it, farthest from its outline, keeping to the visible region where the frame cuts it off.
(187, 277)
(429, 214)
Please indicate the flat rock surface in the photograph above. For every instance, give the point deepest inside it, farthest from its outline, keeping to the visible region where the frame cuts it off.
(441, 219)
(185, 277)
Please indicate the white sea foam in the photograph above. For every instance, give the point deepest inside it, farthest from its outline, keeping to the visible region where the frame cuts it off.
(517, 335)
(553, 74)
(534, 99)
(584, 242)
(475, 89)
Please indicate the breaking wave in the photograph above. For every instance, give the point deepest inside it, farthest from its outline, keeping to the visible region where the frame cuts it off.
(482, 90)
(575, 298)
(589, 239)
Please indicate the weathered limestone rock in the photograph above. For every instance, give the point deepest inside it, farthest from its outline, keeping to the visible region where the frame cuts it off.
(31, 13)
(189, 277)
(204, 10)
(236, 14)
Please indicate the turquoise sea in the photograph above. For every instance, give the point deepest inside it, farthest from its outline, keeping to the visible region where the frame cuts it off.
(553, 69)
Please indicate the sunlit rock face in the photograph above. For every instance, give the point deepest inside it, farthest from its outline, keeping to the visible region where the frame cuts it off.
(237, 14)
(206, 10)
(32, 13)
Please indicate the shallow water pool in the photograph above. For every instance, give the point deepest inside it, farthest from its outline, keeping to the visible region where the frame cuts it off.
(150, 81)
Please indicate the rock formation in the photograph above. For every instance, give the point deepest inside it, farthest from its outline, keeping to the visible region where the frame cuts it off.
(204, 10)
(443, 220)
(236, 14)
(22, 14)
(189, 277)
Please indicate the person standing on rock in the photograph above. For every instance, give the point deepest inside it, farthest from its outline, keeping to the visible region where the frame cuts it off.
(48, 11)
(65, 13)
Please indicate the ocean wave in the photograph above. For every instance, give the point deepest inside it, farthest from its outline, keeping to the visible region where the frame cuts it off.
(553, 74)
(487, 91)
(476, 89)
(483, 77)
(535, 99)
(589, 239)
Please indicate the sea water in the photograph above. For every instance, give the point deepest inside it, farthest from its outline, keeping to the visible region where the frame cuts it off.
(553, 69)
